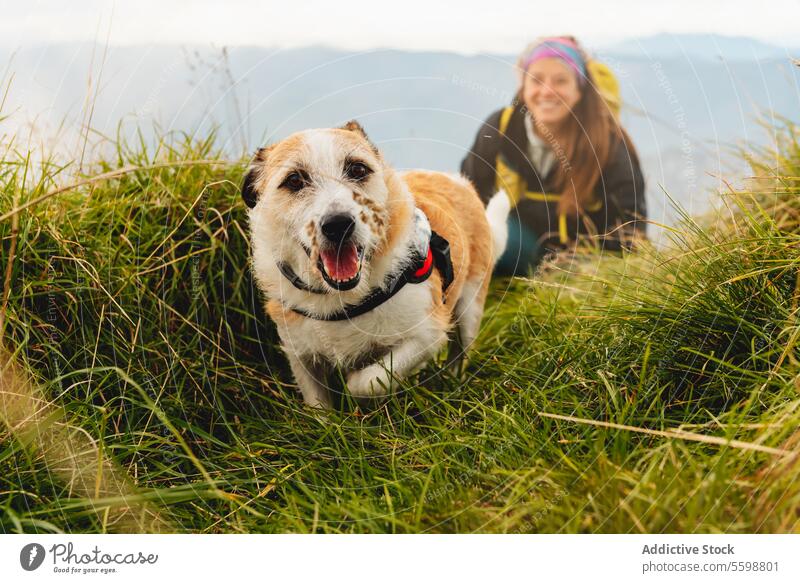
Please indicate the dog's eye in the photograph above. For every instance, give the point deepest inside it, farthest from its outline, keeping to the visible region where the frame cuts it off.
(294, 182)
(357, 171)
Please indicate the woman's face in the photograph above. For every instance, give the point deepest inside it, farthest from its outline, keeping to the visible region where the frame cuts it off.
(550, 90)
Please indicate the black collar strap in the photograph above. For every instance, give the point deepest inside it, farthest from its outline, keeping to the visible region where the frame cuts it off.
(295, 280)
(419, 270)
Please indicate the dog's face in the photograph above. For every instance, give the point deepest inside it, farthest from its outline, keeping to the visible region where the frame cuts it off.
(322, 193)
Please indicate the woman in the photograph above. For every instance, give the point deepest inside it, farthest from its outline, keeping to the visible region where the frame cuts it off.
(560, 154)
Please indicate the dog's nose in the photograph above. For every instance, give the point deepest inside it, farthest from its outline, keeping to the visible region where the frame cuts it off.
(338, 228)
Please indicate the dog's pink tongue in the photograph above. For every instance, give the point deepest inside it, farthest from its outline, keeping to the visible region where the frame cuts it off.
(342, 263)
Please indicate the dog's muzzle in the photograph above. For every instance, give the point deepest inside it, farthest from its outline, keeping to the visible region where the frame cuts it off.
(339, 256)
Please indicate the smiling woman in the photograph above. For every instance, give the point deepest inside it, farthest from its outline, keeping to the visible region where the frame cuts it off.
(562, 157)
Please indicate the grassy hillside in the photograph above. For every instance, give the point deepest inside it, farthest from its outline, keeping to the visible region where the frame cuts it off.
(143, 389)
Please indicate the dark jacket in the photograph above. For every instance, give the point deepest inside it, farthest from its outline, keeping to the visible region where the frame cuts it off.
(618, 197)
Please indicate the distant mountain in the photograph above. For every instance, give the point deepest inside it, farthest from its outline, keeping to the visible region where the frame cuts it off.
(701, 46)
(685, 114)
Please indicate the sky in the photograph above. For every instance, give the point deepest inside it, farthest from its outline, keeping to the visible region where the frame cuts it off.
(465, 26)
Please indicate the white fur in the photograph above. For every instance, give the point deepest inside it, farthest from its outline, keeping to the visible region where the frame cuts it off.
(497, 214)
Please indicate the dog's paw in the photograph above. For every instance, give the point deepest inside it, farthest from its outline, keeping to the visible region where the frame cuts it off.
(372, 382)
(319, 402)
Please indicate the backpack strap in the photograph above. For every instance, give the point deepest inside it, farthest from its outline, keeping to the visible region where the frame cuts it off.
(506, 178)
(505, 117)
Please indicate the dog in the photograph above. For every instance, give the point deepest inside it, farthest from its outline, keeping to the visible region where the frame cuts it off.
(365, 268)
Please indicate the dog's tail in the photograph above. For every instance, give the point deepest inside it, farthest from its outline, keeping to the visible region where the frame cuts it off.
(497, 214)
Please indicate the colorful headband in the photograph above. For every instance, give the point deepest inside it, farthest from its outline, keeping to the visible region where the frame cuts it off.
(559, 48)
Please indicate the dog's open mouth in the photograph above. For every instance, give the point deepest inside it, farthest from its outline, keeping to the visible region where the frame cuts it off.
(341, 266)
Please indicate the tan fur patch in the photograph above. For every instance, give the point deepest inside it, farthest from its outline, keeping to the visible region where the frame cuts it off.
(280, 315)
(400, 213)
(364, 201)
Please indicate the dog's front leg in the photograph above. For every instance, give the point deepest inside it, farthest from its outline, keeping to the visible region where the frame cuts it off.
(311, 382)
(376, 379)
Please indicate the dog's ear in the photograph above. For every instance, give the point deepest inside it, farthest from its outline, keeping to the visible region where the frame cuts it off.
(354, 126)
(249, 192)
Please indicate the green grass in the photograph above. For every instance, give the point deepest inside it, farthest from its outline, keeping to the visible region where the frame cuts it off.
(131, 309)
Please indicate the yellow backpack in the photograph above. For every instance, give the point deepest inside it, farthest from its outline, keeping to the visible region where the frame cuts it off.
(607, 85)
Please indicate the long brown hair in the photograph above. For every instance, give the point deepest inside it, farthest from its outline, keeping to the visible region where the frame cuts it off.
(594, 133)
